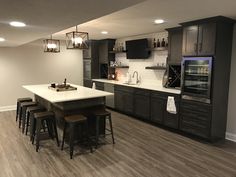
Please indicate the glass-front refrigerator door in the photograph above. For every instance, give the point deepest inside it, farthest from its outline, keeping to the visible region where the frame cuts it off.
(196, 76)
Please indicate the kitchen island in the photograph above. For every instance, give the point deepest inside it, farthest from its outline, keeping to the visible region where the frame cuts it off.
(80, 101)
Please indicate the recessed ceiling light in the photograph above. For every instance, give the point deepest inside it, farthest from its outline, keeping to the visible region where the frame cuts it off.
(17, 24)
(104, 32)
(2, 39)
(159, 21)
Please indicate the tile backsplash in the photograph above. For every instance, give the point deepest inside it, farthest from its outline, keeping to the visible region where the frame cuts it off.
(156, 57)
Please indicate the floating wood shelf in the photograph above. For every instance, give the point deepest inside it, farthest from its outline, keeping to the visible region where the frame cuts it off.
(123, 51)
(119, 66)
(159, 49)
(156, 67)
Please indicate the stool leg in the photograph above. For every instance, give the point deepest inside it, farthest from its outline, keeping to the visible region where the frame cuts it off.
(20, 115)
(32, 128)
(55, 131)
(88, 136)
(23, 118)
(38, 125)
(97, 130)
(27, 122)
(17, 110)
(71, 140)
(110, 122)
(63, 137)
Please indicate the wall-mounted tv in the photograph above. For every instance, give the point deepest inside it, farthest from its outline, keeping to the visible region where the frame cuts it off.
(137, 49)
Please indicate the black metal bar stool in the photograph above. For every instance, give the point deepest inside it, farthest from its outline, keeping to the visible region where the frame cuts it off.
(101, 113)
(49, 118)
(22, 113)
(72, 121)
(20, 100)
(30, 118)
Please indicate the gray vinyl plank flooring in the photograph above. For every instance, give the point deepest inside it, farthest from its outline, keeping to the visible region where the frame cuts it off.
(141, 150)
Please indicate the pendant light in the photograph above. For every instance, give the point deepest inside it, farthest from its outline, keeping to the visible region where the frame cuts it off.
(51, 45)
(77, 40)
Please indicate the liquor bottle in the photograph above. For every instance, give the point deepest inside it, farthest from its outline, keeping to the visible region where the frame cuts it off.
(163, 43)
(154, 43)
(167, 42)
(158, 43)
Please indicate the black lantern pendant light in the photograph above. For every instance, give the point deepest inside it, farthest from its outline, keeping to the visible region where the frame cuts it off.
(51, 45)
(77, 40)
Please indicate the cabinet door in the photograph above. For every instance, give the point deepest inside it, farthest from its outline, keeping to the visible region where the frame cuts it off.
(142, 105)
(119, 102)
(157, 109)
(190, 40)
(175, 37)
(103, 51)
(206, 39)
(88, 83)
(128, 103)
(172, 120)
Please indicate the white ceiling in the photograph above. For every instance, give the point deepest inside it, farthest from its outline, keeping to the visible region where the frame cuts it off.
(139, 19)
(44, 17)
(121, 18)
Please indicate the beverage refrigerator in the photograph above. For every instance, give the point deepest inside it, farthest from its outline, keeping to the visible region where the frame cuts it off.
(196, 73)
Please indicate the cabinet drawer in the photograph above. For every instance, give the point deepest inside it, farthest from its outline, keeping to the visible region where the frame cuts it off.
(164, 95)
(124, 88)
(142, 92)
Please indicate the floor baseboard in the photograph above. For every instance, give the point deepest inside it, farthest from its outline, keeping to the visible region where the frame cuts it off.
(8, 108)
(231, 136)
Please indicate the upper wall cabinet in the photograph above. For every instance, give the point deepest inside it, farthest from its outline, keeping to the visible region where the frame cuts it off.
(199, 40)
(175, 38)
(105, 46)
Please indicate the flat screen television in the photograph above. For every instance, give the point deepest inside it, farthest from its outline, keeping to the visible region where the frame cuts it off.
(137, 49)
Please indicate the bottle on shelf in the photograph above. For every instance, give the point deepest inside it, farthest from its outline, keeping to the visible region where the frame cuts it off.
(158, 43)
(154, 43)
(163, 43)
(167, 42)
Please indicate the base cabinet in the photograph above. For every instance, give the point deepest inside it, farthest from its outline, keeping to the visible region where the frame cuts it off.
(142, 104)
(195, 118)
(124, 101)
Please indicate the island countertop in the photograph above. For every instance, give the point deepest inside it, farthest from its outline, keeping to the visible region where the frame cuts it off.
(53, 96)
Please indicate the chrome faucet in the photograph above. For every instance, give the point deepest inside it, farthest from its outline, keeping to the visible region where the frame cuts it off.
(137, 80)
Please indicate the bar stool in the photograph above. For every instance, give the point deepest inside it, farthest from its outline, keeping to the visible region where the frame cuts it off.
(22, 113)
(40, 118)
(101, 113)
(30, 118)
(21, 100)
(72, 121)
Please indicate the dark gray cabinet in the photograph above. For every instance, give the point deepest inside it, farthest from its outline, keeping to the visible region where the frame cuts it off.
(105, 46)
(142, 104)
(199, 40)
(159, 113)
(175, 38)
(99, 85)
(195, 118)
(90, 63)
(124, 99)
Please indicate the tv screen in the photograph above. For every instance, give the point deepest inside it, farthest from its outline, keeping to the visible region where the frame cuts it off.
(137, 49)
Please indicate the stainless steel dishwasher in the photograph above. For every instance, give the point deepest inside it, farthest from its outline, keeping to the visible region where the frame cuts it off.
(109, 99)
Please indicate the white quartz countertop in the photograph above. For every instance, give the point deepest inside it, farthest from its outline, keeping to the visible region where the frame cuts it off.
(54, 96)
(152, 86)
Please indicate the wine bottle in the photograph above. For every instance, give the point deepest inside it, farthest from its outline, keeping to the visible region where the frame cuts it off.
(158, 43)
(163, 43)
(154, 43)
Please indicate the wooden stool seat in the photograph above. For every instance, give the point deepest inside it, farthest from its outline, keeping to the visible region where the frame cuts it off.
(20, 100)
(75, 118)
(101, 112)
(44, 115)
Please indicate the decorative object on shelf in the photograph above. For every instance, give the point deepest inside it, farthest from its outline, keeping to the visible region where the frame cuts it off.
(163, 43)
(51, 45)
(77, 40)
(118, 47)
(154, 43)
(112, 76)
(158, 43)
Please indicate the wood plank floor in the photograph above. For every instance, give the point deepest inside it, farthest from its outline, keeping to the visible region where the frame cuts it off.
(141, 150)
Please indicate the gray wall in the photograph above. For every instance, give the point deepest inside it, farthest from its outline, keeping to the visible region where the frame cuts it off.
(231, 121)
(28, 64)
